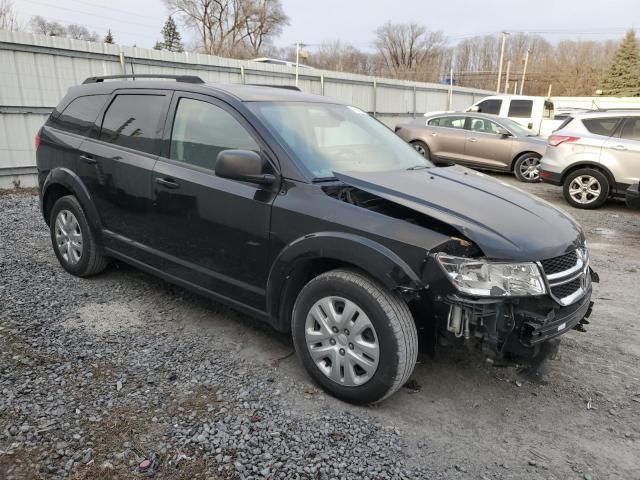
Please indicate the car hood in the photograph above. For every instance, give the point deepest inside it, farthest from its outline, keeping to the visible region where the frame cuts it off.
(503, 221)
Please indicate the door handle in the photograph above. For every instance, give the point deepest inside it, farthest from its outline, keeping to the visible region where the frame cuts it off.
(434, 134)
(619, 147)
(88, 159)
(473, 139)
(167, 182)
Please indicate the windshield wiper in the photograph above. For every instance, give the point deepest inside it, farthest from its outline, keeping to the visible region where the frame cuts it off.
(419, 167)
(324, 179)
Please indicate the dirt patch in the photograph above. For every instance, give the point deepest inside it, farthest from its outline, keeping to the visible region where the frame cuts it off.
(109, 317)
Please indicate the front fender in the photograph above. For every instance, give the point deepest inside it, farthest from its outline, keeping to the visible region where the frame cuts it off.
(70, 181)
(377, 260)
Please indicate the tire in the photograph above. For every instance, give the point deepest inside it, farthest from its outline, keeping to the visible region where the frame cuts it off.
(393, 330)
(69, 228)
(527, 167)
(422, 148)
(596, 184)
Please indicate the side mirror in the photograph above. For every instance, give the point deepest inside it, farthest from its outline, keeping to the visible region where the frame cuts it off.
(243, 165)
(474, 108)
(503, 133)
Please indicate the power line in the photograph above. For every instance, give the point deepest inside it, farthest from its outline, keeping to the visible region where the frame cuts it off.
(102, 17)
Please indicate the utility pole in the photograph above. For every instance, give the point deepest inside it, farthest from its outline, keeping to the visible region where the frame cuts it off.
(506, 79)
(504, 39)
(524, 70)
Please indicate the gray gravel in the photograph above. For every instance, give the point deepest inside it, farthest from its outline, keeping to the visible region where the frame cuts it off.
(90, 387)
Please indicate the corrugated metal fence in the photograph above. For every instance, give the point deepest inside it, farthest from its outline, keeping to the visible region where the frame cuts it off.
(36, 70)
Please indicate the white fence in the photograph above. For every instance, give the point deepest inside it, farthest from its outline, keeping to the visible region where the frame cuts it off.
(36, 70)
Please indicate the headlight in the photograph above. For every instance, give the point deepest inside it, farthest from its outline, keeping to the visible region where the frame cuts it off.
(492, 279)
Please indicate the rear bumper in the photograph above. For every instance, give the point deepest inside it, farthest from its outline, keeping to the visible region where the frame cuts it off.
(551, 177)
(633, 196)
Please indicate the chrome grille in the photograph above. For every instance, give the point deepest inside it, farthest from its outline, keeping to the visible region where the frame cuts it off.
(560, 264)
(567, 276)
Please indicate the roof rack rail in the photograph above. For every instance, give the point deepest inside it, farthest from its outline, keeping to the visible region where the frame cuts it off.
(286, 87)
(177, 78)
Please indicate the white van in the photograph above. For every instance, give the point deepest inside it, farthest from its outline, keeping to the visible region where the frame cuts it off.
(534, 113)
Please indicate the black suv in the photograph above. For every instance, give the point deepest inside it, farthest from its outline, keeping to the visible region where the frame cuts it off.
(311, 216)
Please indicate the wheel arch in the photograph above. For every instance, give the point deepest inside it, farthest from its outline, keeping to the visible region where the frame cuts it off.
(312, 255)
(61, 182)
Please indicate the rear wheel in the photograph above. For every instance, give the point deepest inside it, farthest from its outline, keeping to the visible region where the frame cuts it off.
(586, 188)
(422, 148)
(354, 337)
(527, 168)
(73, 241)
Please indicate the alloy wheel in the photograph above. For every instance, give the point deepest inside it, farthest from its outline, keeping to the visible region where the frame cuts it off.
(68, 237)
(530, 168)
(342, 341)
(419, 148)
(585, 189)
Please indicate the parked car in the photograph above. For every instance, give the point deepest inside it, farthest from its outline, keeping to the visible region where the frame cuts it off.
(536, 114)
(311, 216)
(476, 140)
(594, 156)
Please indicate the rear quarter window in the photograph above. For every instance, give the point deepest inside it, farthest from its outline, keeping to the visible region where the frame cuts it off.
(601, 126)
(80, 115)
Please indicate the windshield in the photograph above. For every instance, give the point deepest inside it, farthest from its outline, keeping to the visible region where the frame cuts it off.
(516, 128)
(327, 138)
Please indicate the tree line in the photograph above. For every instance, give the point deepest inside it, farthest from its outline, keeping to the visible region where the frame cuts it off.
(246, 29)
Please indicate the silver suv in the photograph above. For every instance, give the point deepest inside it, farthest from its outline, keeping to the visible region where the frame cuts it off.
(594, 156)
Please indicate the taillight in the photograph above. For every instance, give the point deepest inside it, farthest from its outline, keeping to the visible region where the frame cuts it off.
(555, 140)
(37, 141)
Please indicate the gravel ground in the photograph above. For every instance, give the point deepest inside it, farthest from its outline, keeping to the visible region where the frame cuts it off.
(98, 375)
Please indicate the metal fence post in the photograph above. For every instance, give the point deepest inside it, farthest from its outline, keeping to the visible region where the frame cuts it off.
(322, 84)
(242, 74)
(414, 101)
(375, 97)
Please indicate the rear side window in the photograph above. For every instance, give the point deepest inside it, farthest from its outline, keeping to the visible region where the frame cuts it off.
(491, 106)
(520, 108)
(202, 130)
(450, 122)
(80, 114)
(601, 126)
(631, 129)
(135, 121)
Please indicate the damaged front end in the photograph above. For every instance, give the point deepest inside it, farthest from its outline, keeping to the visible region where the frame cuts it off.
(517, 325)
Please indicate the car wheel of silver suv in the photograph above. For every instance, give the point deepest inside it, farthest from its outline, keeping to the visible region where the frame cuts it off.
(586, 188)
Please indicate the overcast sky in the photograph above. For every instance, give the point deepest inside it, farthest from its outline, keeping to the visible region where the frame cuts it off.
(353, 21)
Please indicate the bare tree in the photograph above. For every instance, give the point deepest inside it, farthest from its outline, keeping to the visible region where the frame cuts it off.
(231, 27)
(43, 26)
(264, 19)
(8, 18)
(411, 50)
(78, 32)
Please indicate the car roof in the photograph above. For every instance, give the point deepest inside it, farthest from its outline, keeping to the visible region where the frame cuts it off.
(488, 116)
(241, 92)
(606, 113)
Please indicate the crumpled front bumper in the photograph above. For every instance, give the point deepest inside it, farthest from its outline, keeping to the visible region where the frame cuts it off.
(517, 327)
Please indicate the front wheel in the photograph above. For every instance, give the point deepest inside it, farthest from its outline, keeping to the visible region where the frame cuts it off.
(586, 188)
(354, 337)
(527, 168)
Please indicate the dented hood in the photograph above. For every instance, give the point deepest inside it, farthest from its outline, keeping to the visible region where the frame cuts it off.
(503, 221)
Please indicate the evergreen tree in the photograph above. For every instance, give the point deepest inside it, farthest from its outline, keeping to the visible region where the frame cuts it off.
(158, 46)
(623, 77)
(109, 37)
(172, 38)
